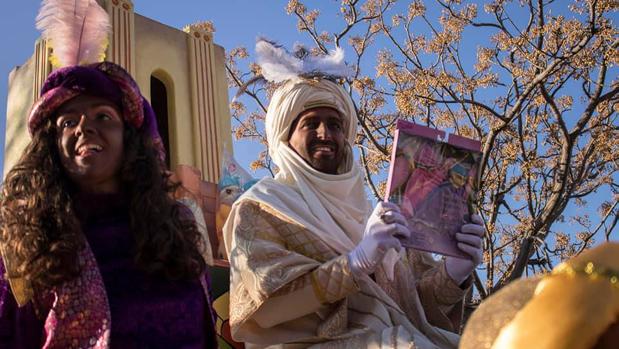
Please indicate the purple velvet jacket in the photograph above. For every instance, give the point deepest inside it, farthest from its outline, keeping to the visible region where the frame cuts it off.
(146, 311)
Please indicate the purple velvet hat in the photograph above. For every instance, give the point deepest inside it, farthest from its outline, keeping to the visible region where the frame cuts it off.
(106, 80)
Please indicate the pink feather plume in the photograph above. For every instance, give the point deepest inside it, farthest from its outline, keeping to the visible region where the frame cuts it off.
(77, 29)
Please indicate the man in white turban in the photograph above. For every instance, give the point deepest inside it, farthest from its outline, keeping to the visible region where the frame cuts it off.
(310, 266)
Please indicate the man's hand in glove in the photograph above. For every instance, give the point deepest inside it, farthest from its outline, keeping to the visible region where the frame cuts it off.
(382, 232)
(470, 242)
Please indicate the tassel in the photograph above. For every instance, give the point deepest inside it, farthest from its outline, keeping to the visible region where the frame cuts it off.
(77, 29)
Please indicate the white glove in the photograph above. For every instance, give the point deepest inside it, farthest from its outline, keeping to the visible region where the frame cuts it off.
(385, 225)
(469, 241)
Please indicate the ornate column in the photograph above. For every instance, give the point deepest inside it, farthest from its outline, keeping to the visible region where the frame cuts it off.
(204, 94)
(42, 66)
(121, 49)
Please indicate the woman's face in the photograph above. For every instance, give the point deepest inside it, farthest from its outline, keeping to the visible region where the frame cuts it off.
(90, 143)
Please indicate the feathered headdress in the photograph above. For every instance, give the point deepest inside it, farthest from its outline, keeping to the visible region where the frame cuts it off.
(77, 29)
(278, 65)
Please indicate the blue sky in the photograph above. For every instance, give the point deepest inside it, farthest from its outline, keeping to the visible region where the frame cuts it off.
(237, 23)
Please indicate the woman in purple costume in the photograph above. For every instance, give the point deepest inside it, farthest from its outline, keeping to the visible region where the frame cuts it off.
(95, 251)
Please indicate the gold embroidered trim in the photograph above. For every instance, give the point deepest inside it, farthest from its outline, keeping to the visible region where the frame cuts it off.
(318, 290)
(20, 287)
(333, 280)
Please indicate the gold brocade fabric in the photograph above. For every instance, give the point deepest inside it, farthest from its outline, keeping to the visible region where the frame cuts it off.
(333, 280)
(290, 290)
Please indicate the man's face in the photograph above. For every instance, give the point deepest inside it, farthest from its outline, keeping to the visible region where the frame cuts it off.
(90, 143)
(318, 136)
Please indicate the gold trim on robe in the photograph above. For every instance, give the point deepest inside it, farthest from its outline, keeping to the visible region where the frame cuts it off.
(20, 287)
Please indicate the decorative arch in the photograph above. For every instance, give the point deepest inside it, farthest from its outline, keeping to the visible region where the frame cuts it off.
(162, 101)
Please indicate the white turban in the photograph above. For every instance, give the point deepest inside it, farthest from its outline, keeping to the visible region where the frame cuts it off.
(295, 97)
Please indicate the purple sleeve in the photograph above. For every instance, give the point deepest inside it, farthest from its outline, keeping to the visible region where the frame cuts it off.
(211, 317)
(205, 279)
(19, 326)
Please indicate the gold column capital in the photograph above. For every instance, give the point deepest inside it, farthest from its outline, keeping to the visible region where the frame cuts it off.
(125, 4)
(201, 30)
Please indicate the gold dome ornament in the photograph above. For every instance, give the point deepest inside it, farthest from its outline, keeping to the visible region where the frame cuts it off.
(575, 306)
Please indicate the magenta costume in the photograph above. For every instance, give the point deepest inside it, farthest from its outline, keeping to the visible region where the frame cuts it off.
(111, 303)
(137, 310)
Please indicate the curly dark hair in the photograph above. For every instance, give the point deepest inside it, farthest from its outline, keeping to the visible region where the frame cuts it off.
(42, 235)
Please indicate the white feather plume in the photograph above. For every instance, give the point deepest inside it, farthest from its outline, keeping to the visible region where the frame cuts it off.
(276, 63)
(331, 64)
(78, 30)
(279, 65)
